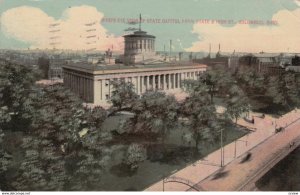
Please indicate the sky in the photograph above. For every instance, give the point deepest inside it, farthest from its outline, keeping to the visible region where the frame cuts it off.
(192, 25)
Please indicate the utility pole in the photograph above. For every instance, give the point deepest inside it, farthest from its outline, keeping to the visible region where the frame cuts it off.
(165, 53)
(235, 149)
(163, 184)
(222, 151)
(209, 55)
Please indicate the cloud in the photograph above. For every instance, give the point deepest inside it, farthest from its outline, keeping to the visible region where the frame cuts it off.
(79, 28)
(241, 37)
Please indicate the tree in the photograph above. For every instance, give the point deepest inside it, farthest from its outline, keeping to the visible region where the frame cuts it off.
(155, 112)
(250, 79)
(217, 82)
(202, 118)
(135, 154)
(292, 81)
(237, 103)
(284, 89)
(49, 137)
(58, 109)
(254, 85)
(44, 65)
(16, 87)
(123, 95)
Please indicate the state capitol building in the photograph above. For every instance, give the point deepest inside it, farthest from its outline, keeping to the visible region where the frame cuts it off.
(141, 66)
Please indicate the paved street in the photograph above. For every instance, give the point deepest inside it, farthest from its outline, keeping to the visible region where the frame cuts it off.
(261, 130)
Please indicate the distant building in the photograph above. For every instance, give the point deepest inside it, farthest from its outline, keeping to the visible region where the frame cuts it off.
(261, 62)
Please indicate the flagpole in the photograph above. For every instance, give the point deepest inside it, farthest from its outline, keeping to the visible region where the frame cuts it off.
(140, 22)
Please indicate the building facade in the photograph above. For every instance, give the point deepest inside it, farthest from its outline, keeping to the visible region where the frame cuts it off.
(94, 84)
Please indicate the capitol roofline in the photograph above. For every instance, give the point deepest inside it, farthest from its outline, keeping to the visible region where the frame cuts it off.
(139, 33)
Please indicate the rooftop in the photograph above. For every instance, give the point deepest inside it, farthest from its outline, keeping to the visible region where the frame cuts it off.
(118, 68)
(139, 33)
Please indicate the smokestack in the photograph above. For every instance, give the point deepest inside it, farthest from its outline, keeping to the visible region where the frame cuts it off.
(165, 54)
(170, 50)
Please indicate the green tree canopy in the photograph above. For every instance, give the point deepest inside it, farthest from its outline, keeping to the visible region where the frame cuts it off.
(123, 95)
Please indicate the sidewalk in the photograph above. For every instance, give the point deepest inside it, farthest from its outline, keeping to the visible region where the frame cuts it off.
(242, 176)
(262, 129)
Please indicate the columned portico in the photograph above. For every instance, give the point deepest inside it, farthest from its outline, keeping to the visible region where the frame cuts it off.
(96, 87)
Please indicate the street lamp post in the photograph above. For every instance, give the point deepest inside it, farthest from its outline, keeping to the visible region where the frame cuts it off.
(222, 150)
(235, 149)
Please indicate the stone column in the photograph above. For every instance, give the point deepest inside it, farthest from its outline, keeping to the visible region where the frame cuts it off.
(159, 84)
(101, 89)
(76, 85)
(109, 88)
(83, 87)
(149, 45)
(148, 83)
(164, 82)
(153, 82)
(97, 91)
(104, 90)
(71, 83)
(183, 79)
(178, 80)
(146, 40)
(174, 81)
(153, 45)
(142, 48)
(68, 82)
(87, 90)
(170, 81)
(141, 84)
(137, 84)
